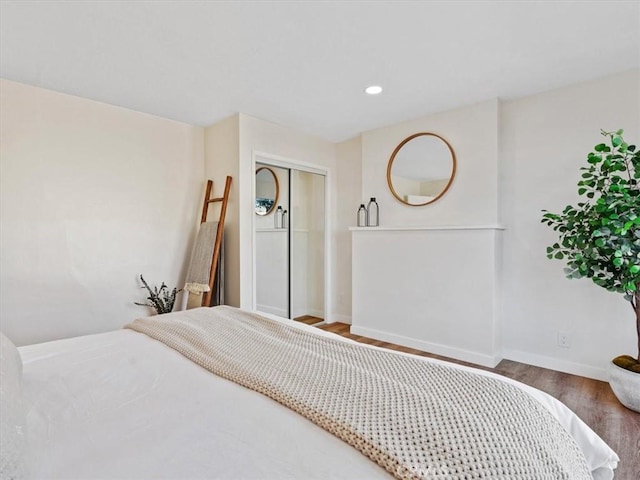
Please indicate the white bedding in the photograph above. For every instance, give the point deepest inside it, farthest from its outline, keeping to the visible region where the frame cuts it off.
(120, 405)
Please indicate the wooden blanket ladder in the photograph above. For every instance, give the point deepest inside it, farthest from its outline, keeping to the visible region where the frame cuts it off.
(206, 298)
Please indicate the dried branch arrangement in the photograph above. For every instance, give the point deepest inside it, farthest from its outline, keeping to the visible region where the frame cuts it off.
(160, 299)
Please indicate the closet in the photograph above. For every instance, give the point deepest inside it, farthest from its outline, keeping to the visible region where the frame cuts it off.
(289, 235)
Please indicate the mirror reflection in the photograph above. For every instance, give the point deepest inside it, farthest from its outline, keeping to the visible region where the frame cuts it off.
(421, 169)
(266, 191)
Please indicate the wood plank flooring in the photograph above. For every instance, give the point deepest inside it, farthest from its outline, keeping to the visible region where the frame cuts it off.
(592, 400)
(308, 319)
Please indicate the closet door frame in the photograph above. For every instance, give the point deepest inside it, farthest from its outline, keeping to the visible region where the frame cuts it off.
(292, 164)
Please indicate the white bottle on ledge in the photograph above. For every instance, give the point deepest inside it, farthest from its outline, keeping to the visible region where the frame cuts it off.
(362, 216)
(277, 217)
(373, 213)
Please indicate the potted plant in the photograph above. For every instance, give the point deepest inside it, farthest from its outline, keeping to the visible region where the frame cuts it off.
(600, 239)
(160, 299)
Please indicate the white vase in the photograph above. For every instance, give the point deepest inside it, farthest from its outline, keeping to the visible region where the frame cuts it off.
(626, 386)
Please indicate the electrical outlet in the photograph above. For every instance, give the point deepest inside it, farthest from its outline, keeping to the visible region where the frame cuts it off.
(564, 340)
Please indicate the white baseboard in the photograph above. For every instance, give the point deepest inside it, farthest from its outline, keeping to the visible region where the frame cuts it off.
(556, 364)
(438, 349)
(280, 312)
(339, 318)
(315, 313)
(300, 312)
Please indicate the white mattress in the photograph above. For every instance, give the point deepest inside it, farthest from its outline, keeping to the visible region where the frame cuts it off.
(120, 405)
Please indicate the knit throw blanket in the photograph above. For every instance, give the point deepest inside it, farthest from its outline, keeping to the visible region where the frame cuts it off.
(414, 418)
(197, 280)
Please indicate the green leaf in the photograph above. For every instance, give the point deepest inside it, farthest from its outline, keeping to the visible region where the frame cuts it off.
(599, 237)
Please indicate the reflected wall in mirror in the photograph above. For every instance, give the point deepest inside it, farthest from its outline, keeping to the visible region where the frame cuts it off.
(421, 169)
(267, 190)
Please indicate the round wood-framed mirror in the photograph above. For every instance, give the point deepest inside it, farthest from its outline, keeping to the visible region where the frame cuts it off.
(267, 190)
(421, 169)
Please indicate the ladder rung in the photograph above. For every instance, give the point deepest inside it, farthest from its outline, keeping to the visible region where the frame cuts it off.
(219, 199)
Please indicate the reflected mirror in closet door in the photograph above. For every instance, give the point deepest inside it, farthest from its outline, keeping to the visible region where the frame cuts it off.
(267, 190)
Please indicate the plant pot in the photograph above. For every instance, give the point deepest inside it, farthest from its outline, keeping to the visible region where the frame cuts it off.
(626, 386)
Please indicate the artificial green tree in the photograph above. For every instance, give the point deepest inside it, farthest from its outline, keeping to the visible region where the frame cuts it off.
(600, 237)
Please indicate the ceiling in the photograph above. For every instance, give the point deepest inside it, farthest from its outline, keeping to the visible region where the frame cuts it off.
(305, 64)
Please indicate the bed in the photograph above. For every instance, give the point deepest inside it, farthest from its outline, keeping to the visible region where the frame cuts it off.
(123, 405)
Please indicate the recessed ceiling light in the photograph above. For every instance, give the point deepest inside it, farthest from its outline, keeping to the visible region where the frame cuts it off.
(373, 90)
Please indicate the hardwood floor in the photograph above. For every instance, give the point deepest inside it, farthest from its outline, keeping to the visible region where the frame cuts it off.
(309, 320)
(592, 400)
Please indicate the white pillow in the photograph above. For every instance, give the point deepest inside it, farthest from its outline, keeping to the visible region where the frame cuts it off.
(12, 415)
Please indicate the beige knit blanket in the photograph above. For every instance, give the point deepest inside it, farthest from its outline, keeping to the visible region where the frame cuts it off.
(197, 280)
(414, 418)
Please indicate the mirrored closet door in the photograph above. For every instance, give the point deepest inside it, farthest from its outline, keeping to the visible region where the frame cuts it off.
(290, 242)
(272, 240)
(307, 247)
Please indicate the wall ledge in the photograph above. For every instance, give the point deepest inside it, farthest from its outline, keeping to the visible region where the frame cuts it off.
(427, 227)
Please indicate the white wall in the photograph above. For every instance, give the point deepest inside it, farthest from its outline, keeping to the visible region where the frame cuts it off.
(545, 139)
(91, 196)
(473, 197)
(433, 289)
(221, 146)
(349, 194)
